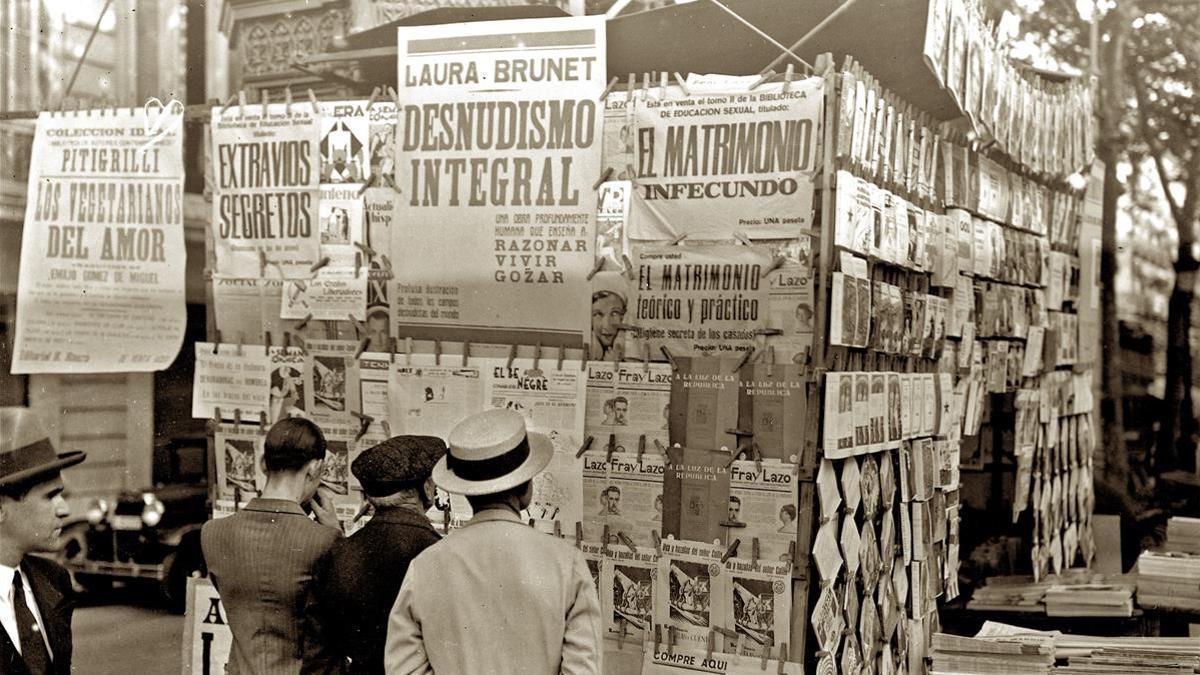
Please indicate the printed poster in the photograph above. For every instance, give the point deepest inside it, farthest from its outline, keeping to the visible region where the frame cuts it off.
(334, 294)
(502, 183)
(691, 591)
(764, 496)
(699, 300)
(628, 406)
(237, 309)
(759, 605)
(791, 305)
(382, 118)
(634, 497)
(697, 503)
(342, 213)
(609, 306)
(101, 284)
(598, 503)
(266, 174)
(231, 378)
(207, 638)
(428, 399)
(345, 142)
(627, 592)
(381, 211)
(332, 384)
(288, 368)
(713, 166)
(239, 454)
(551, 401)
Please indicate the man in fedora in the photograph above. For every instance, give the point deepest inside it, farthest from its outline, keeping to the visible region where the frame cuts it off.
(495, 596)
(36, 600)
(359, 580)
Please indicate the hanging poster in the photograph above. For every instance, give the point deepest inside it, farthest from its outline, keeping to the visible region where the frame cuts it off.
(382, 117)
(633, 497)
(237, 308)
(380, 212)
(339, 433)
(774, 409)
(627, 591)
(697, 506)
(500, 150)
(765, 495)
(101, 285)
(628, 405)
(232, 378)
(239, 451)
(759, 604)
(331, 383)
(429, 399)
(691, 591)
(206, 635)
(288, 371)
(715, 165)
(551, 401)
(345, 142)
(699, 300)
(704, 403)
(791, 305)
(598, 503)
(612, 223)
(342, 217)
(334, 294)
(265, 201)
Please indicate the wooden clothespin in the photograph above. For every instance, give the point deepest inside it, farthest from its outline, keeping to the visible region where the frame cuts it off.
(364, 423)
(303, 322)
(754, 550)
(766, 77)
(678, 239)
(742, 239)
(316, 105)
(532, 523)
(756, 453)
(319, 264)
(578, 534)
(587, 445)
(787, 76)
(228, 103)
(366, 250)
(216, 340)
(262, 262)
(657, 541)
(612, 445)
(682, 84)
(607, 90)
(262, 421)
(370, 181)
(657, 636)
(627, 541)
(629, 273)
(776, 263)
(408, 351)
(437, 352)
(537, 355)
(237, 417)
(596, 269)
(387, 428)
(374, 95)
(446, 519)
(766, 651)
(466, 353)
(608, 172)
(604, 539)
(709, 641)
(214, 424)
(641, 448)
(362, 346)
(671, 639)
(732, 550)
(745, 359)
(561, 354)
(558, 529)
(393, 94)
(241, 340)
(670, 359)
(363, 509)
(266, 102)
(512, 354)
(393, 343)
(661, 449)
(783, 657)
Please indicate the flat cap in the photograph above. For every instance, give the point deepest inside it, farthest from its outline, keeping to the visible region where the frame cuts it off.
(399, 462)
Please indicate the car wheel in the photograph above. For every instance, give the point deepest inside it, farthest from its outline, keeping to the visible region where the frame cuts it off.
(179, 565)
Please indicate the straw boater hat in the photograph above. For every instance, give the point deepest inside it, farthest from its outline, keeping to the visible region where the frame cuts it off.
(491, 452)
(25, 449)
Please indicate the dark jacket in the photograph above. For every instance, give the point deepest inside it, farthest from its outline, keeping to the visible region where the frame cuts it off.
(358, 584)
(263, 560)
(56, 603)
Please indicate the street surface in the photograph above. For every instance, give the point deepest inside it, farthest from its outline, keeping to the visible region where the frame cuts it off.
(125, 631)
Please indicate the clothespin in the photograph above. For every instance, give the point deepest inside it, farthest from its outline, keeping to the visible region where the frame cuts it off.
(316, 106)
(364, 422)
(766, 77)
(708, 647)
(745, 359)
(783, 657)
(240, 342)
(437, 352)
(792, 552)
(671, 639)
(603, 177)
(596, 269)
(621, 633)
(387, 428)
(262, 421)
(754, 552)
(742, 238)
(267, 339)
(393, 94)
(641, 448)
(587, 445)
(466, 353)
(241, 102)
(362, 346)
(578, 534)
(303, 322)
(629, 273)
(657, 541)
(531, 523)
(237, 417)
(604, 539)
(657, 636)
(537, 355)
(627, 541)
(607, 90)
(216, 340)
(776, 263)
(756, 453)
(287, 99)
(732, 550)
(392, 344)
(512, 354)
(787, 76)
(228, 102)
(374, 95)
(678, 239)
(630, 83)
(612, 445)
(671, 359)
(766, 651)
(214, 424)
(367, 250)
(646, 356)
(561, 354)
(287, 338)
(266, 101)
(661, 449)
(370, 181)
(558, 529)
(682, 84)
(446, 519)
(408, 351)
(319, 264)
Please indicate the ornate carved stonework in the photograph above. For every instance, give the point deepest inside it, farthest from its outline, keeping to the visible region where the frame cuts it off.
(267, 45)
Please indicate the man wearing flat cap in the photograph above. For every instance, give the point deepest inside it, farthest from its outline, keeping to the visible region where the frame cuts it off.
(358, 583)
(36, 600)
(495, 596)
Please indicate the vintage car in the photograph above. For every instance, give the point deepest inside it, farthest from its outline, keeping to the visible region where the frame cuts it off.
(149, 536)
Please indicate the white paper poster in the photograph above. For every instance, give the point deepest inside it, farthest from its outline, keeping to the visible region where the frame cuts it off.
(207, 638)
(498, 146)
(232, 378)
(101, 284)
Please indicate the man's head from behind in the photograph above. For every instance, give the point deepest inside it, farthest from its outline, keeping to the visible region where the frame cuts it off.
(295, 449)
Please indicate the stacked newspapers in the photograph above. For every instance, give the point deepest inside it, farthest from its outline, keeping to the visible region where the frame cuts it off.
(1183, 534)
(1169, 579)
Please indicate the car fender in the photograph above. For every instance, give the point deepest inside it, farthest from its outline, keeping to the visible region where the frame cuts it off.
(175, 536)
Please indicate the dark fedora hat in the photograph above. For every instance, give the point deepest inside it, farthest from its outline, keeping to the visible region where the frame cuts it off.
(26, 451)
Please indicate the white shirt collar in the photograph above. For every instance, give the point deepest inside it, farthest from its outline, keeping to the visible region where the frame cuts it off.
(6, 581)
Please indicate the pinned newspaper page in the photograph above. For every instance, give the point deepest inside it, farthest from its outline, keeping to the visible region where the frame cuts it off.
(504, 187)
(239, 451)
(692, 589)
(339, 436)
(345, 142)
(762, 498)
(699, 300)
(759, 605)
(596, 505)
(382, 117)
(429, 399)
(633, 497)
(715, 165)
(101, 285)
(616, 154)
(288, 372)
(372, 375)
(237, 308)
(791, 305)
(627, 579)
(334, 294)
(628, 406)
(343, 214)
(232, 378)
(331, 385)
(552, 403)
(266, 170)
(381, 211)
(612, 223)
(774, 407)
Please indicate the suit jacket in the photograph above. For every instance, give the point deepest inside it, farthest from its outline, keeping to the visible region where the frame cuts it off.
(262, 560)
(496, 596)
(56, 603)
(357, 585)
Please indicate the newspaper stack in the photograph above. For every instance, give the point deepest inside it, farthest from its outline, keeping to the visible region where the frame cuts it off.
(1088, 654)
(1009, 594)
(1183, 534)
(1089, 600)
(1169, 579)
(951, 654)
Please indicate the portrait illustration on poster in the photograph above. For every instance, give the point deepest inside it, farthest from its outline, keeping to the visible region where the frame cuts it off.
(345, 139)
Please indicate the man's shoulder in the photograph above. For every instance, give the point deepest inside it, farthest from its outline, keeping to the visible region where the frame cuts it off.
(45, 567)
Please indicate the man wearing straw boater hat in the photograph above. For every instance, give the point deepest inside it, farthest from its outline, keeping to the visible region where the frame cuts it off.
(495, 596)
(36, 600)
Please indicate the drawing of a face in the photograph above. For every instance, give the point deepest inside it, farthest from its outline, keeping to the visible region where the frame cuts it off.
(735, 509)
(620, 411)
(612, 501)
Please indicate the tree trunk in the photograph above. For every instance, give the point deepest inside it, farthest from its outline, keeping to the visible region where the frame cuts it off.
(1176, 447)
